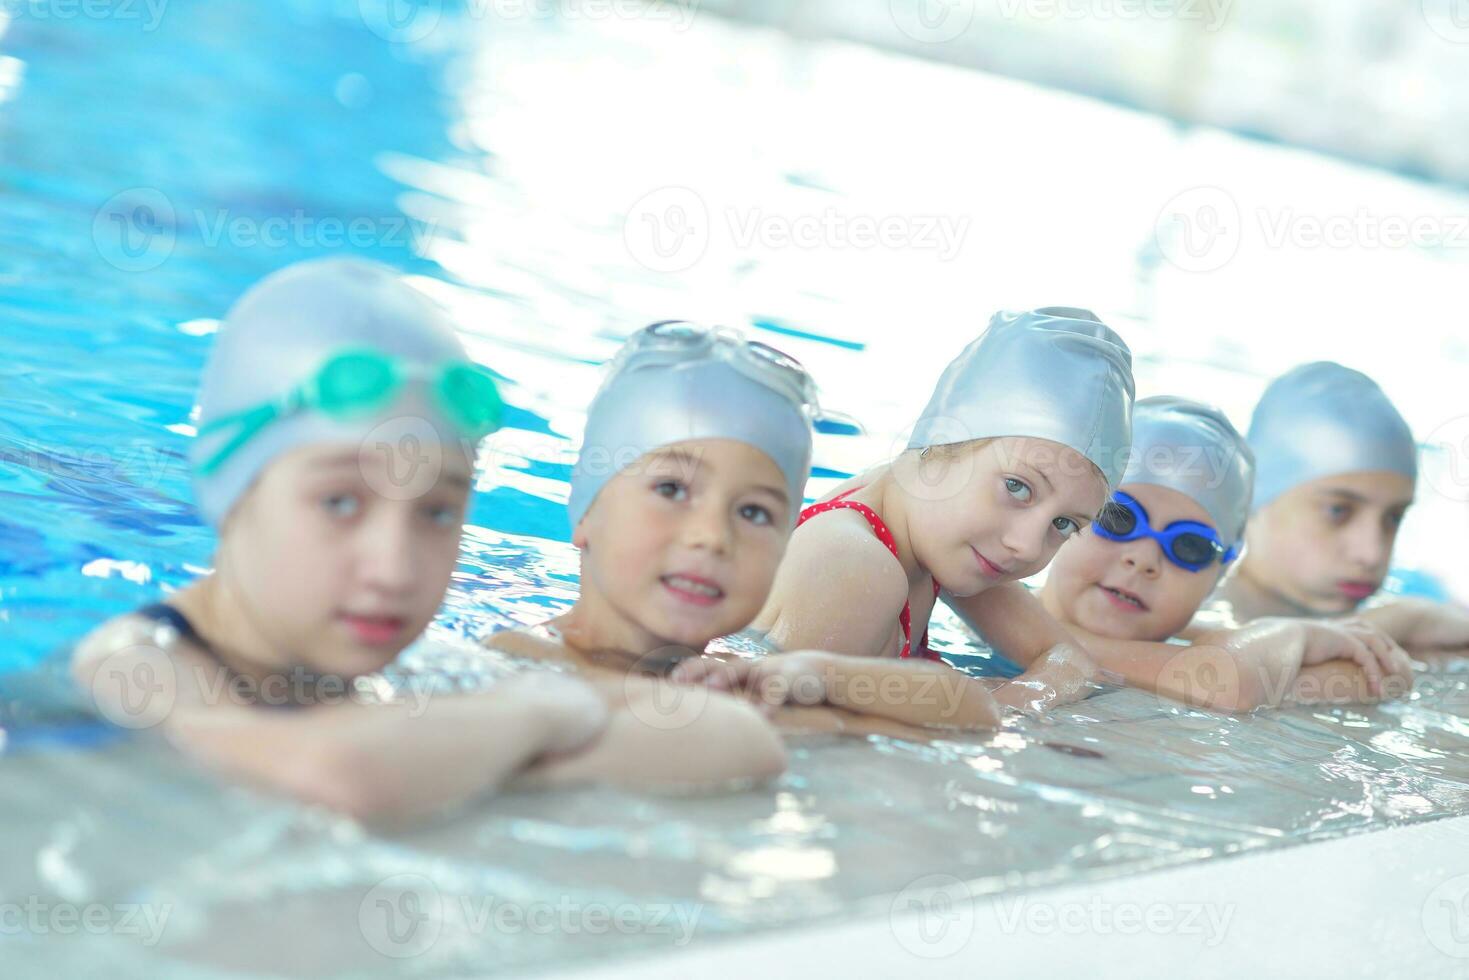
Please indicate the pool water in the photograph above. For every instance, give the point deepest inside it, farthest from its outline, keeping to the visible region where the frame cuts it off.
(558, 181)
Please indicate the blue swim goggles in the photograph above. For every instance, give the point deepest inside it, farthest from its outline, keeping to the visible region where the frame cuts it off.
(1188, 544)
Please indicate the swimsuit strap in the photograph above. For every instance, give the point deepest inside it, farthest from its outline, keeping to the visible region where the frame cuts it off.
(162, 612)
(879, 528)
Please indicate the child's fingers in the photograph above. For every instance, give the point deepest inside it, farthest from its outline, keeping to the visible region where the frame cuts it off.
(1359, 651)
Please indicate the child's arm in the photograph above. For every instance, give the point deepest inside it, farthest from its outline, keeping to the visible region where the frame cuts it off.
(660, 738)
(1258, 665)
(380, 762)
(916, 693)
(838, 588)
(1013, 622)
(1422, 626)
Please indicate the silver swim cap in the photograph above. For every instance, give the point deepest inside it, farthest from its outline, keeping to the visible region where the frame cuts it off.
(1193, 448)
(1322, 419)
(673, 382)
(1056, 373)
(278, 336)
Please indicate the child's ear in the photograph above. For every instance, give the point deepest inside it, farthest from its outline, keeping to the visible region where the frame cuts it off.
(579, 535)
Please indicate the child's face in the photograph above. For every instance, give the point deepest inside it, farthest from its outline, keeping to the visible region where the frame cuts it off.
(997, 511)
(1130, 590)
(684, 544)
(1326, 545)
(337, 560)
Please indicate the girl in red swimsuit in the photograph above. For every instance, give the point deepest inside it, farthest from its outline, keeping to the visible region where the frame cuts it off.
(1025, 433)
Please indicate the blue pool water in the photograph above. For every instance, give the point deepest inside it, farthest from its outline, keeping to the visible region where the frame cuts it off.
(148, 176)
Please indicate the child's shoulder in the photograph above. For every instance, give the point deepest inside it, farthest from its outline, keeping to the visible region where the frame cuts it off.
(528, 642)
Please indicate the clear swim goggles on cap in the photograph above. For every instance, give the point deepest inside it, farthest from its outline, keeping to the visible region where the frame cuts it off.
(1188, 544)
(360, 381)
(671, 341)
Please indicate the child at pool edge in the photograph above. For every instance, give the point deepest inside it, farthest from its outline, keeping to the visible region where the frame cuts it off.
(1337, 470)
(1136, 577)
(328, 563)
(1014, 454)
(696, 453)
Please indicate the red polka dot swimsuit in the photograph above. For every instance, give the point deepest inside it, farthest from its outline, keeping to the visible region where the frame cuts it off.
(905, 618)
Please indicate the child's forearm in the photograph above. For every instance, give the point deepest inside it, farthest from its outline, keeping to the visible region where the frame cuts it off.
(920, 694)
(707, 739)
(1012, 621)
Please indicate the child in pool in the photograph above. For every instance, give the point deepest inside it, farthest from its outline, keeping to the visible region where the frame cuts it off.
(1014, 455)
(1337, 469)
(1137, 576)
(335, 550)
(697, 449)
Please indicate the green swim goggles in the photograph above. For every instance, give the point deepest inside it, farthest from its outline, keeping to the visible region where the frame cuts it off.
(361, 381)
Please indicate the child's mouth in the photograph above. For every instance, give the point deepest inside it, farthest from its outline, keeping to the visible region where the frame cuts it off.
(987, 568)
(374, 631)
(1123, 600)
(692, 589)
(1356, 590)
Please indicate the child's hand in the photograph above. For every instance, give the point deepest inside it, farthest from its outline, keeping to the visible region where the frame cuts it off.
(770, 682)
(1442, 626)
(1385, 664)
(1062, 675)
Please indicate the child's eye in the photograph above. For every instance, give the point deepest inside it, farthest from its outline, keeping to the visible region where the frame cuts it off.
(1017, 489)
(1395, 521)
(1338, 513)
(671, 489)
(1066, 526)
(441, 516)
(342, 505)
(756, 514)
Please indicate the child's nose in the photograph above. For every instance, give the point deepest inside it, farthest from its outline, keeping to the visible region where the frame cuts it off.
(1144, 556)
(385, 556)
(707, 528)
